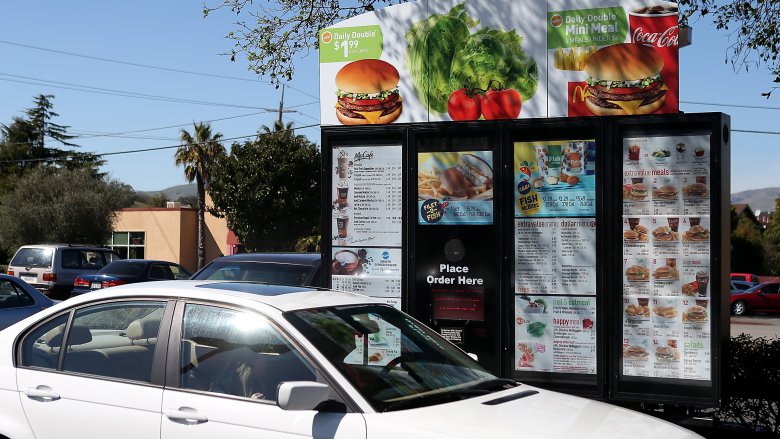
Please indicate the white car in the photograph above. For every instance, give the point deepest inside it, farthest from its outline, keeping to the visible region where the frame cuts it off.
(206, 359)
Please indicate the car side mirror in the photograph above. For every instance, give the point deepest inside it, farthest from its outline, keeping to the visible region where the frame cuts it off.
(301, 395)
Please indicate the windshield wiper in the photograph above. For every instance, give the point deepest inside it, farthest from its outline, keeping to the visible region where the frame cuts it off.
(440, 398)
(495, 384)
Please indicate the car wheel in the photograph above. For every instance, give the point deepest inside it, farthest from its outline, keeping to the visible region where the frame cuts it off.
(739, 308)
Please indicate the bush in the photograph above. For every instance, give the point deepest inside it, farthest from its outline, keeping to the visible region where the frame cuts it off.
(752, 394)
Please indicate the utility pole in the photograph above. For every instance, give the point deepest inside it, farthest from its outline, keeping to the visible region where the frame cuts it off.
(282, 110)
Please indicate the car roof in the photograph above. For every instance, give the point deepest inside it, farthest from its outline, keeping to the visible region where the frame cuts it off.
(289, 258)
(145, 261)
(283, 298)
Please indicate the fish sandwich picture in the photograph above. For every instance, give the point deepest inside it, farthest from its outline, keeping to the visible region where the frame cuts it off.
(368, 93)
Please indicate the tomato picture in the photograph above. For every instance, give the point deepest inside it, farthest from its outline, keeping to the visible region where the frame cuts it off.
(501, 104)
(464, 104)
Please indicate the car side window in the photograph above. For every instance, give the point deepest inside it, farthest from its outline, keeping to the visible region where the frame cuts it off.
(41, 346)
(12, 296)
(179, 272)
(770, 289)
(71, 259)
(237, 353)
(160, 272)
(114, 340)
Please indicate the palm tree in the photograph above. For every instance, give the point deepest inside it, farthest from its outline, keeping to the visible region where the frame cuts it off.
(197, 153)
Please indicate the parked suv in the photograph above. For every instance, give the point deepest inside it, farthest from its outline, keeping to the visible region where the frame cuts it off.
(52, 268)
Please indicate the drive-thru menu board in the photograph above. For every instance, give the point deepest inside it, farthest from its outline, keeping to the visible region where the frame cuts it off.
(666, 257)
(366, 227)
(555, 256)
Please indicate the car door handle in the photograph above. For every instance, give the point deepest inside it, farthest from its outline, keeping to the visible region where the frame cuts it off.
(42, 393)
(185, 415)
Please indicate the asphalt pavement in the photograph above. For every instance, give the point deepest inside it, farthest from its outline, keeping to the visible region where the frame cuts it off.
(756, 326)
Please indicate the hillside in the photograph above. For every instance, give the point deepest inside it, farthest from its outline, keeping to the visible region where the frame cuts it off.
(758, 199)
(175, 192)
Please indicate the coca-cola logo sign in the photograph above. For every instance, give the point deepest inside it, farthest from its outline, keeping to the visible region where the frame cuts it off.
(667, 38)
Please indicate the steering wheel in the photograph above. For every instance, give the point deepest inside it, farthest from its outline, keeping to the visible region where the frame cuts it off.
(393, 363)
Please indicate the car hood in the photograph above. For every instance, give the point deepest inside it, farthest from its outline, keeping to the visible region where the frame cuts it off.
(548, 415)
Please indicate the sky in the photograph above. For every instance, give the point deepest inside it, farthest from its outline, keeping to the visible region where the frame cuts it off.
(39, 41)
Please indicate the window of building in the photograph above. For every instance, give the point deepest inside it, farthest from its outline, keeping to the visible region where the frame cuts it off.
(129, 245)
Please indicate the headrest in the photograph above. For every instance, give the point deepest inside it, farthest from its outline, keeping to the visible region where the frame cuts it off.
(79, 334)
(143, 328)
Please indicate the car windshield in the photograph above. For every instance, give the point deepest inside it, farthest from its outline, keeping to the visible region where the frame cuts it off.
(33, 257)
(275, 273)
(123, 268)
(392, 360)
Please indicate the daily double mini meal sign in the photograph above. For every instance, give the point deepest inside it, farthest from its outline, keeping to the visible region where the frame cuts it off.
(440, 60)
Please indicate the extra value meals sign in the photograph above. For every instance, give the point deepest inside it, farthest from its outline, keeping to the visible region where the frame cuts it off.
(441, 60)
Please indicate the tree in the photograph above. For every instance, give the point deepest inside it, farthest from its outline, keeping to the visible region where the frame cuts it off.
(279, 30)
(23, 145)
(270, 34)
(60, 205)
(772, 242)
(747, 248)
(159, 200)
(753, 26)
(197, 154)
(268, 189)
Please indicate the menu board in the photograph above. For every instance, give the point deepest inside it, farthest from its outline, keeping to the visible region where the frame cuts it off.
(666, 257)
(555, 256)
(367, 218)
(455, 187)
(555, 334)
(367, 196)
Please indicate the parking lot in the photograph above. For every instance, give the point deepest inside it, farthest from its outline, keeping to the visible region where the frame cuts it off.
(757, 326)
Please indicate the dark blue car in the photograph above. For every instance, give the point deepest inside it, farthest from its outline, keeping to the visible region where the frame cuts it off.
(19, 300)
(128, 271)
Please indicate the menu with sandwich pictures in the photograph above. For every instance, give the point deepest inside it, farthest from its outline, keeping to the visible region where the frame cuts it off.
(555, 256)
(366, 221)
(666, 231)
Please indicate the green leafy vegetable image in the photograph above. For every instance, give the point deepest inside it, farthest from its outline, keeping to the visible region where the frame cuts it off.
(536, 329)
(432, 43)
(443, 55)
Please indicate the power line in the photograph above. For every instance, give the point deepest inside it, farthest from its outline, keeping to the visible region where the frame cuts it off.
(147, 66)
(159, 148)
(755, 107)
(112, 92)
(755, 131)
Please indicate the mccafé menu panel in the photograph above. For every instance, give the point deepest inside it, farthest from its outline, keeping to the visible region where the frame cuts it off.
(666, 233)
(367, 202)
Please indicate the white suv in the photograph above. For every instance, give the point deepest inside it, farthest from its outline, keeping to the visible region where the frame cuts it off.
(52, 268)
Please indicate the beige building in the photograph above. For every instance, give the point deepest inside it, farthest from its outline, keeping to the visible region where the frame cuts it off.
(170, 234)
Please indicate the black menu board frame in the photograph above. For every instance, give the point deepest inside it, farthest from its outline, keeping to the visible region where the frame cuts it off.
(665, 389)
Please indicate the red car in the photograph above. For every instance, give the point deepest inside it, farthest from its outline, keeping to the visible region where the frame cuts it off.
(764, 297)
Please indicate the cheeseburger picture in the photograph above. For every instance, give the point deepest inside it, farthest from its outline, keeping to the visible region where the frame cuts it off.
(367, 93)
(637, 273)
(625, 79)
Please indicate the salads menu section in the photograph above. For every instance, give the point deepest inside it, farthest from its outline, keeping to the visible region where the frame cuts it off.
(366, 227)
(667, 294)
(555, 256)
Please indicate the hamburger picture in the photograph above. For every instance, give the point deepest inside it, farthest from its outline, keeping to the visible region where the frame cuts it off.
(695, 313)
(368, 93)
(635, 353)
(667, 353)
(697, 233)
(631, 235)
(637, 273)
(638, 192)
(696, 190)
(664, 233)
(665, 273)
(625, 79)
(470, 177)
(665, 192)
